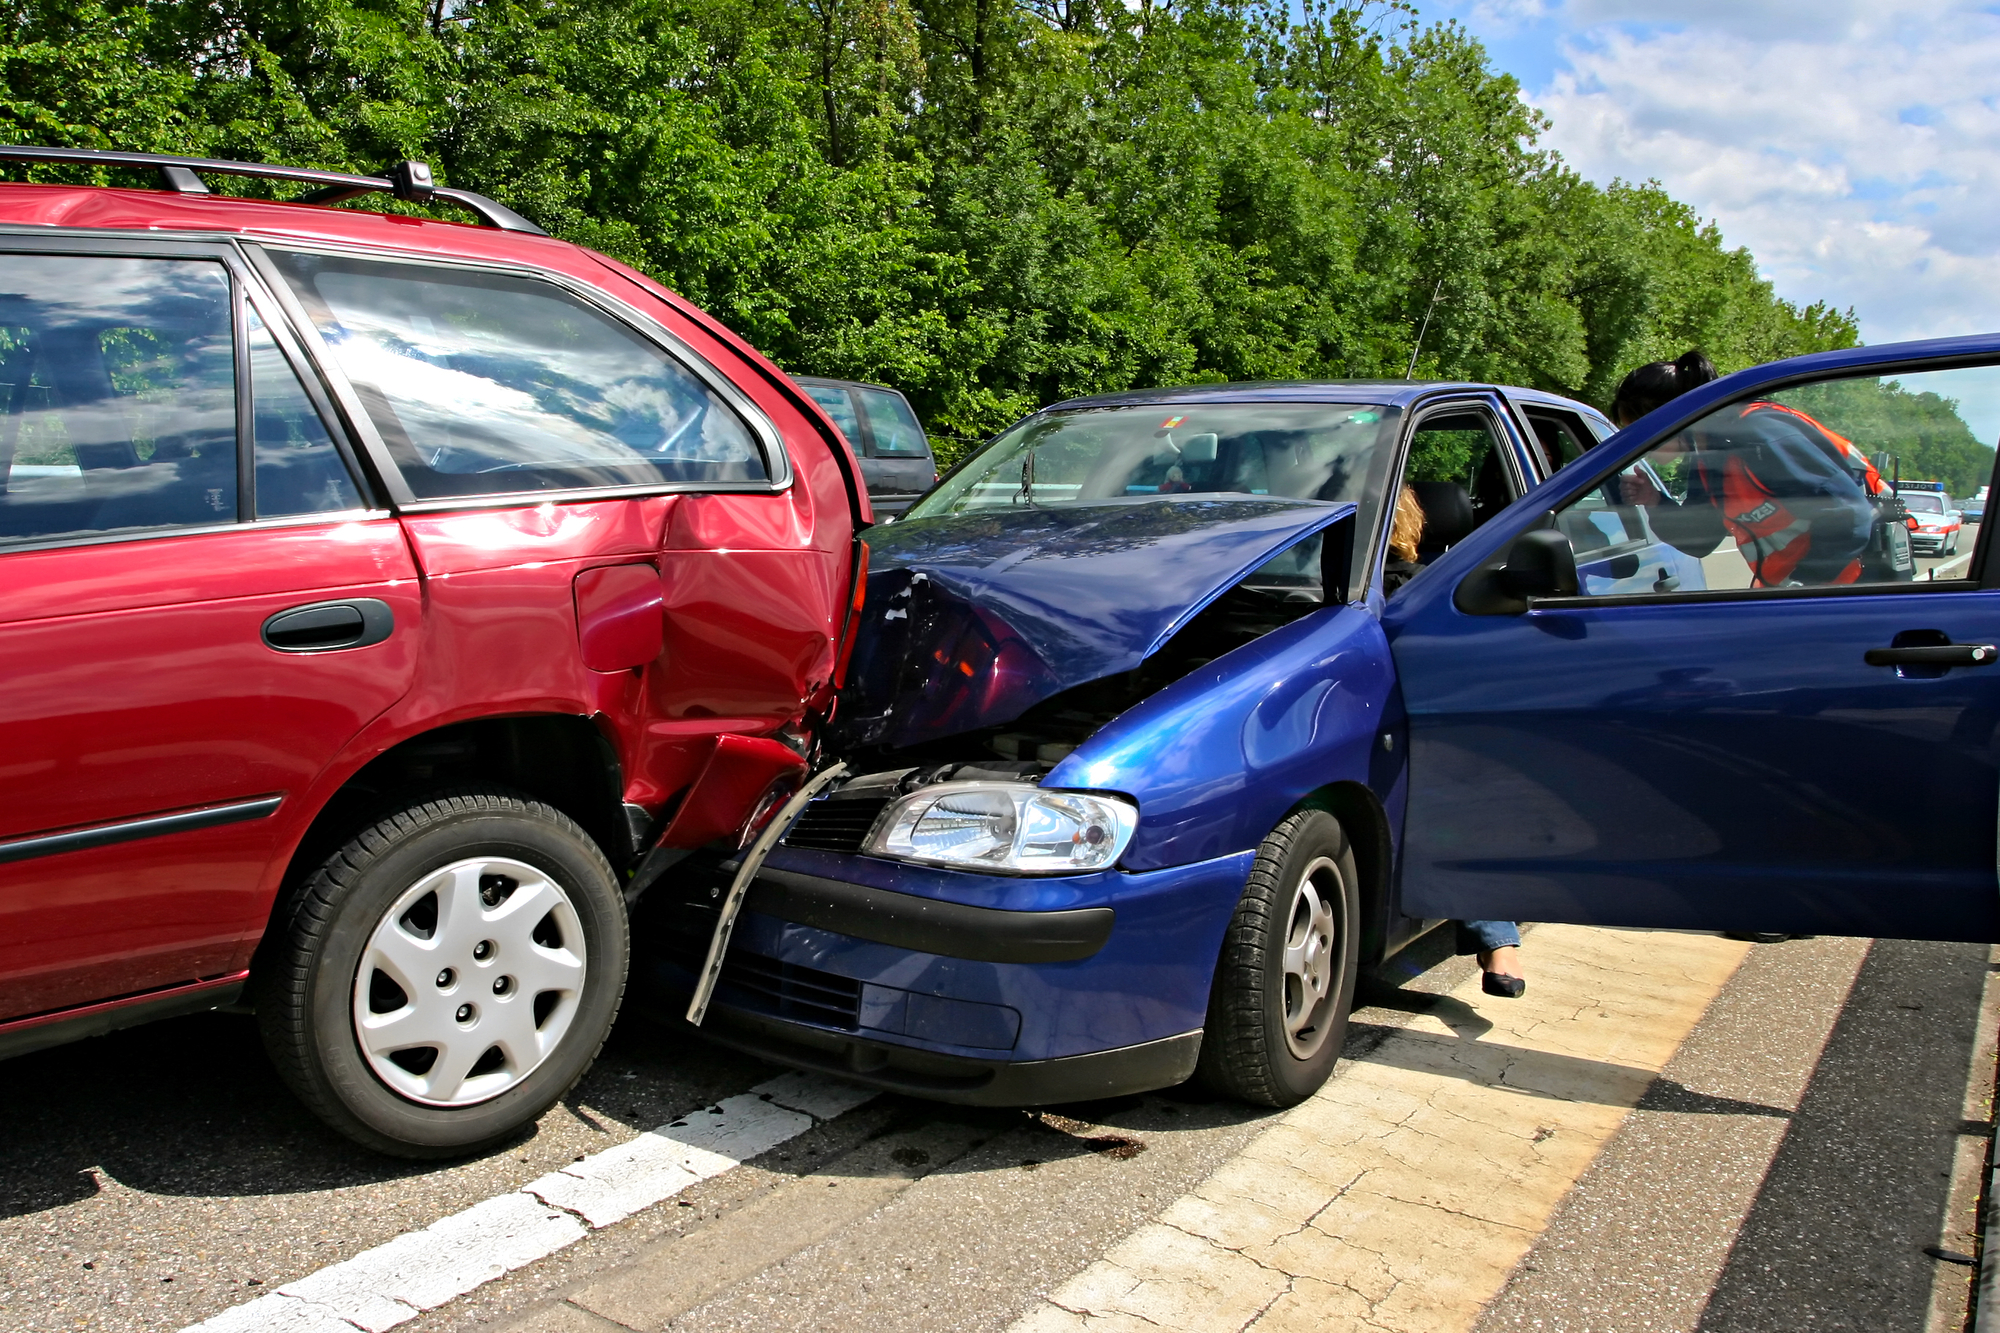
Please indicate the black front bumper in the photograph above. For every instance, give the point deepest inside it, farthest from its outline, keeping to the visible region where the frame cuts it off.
(931, 925)
(962, 1079)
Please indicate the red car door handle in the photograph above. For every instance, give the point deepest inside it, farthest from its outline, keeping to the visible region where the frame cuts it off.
(324, 627)
(1934, 655)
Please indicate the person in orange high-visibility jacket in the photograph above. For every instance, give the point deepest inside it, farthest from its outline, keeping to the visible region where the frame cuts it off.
(1798, 515)
(1857, 463)
(1776, 481)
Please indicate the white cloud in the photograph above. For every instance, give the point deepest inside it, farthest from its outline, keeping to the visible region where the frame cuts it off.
(1850, 146)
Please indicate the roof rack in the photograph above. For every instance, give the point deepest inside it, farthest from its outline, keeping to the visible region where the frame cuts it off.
(408, 181)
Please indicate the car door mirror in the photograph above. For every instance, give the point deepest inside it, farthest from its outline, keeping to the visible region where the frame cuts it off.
(1540, 563)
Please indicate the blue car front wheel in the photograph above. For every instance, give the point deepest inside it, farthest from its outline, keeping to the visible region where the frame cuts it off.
(1277, 1014)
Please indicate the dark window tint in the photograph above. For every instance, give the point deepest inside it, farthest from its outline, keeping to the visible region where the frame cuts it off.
(834, 400)
(298, 469)
(118, 387)
(897, 434)
(487, 383)
(1561, 437)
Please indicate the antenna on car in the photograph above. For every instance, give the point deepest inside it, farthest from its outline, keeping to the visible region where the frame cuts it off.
(409, 181)
(1411, 371)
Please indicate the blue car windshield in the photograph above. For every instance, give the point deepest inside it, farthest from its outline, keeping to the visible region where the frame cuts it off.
(1304, 451)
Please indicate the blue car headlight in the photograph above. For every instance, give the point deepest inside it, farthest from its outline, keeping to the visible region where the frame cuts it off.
(1009, 827)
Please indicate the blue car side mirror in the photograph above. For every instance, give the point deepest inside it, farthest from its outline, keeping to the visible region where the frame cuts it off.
(1539, 563)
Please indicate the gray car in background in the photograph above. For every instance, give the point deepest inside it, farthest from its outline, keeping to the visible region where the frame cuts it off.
(888, 440)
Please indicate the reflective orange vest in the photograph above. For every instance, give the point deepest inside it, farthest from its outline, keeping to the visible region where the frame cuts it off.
(1858, 463)
(1771, 537)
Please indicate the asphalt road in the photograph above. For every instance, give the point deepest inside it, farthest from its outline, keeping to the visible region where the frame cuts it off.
(1966, 539)
(1820, 1127)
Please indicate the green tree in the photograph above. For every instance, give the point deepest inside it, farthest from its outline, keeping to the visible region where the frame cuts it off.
(991, 204)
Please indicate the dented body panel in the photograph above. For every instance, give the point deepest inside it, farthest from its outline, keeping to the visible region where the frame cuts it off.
(1216, 759)
(973, 619)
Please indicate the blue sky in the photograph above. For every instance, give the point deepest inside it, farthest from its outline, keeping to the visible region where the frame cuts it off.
(1850, 145)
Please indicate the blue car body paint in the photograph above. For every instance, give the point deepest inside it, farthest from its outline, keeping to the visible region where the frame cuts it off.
(1701, 763)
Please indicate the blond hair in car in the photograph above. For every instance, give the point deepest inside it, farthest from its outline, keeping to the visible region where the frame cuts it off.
(1406, 528)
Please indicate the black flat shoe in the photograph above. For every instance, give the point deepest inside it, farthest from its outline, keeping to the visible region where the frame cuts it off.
(1506, 987)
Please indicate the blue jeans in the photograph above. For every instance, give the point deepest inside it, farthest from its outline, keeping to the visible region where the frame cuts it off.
(1486, 936)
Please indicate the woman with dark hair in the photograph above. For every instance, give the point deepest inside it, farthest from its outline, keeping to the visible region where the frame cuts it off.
(1657, 383)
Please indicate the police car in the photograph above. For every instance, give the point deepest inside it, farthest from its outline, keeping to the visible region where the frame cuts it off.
(1938, 524)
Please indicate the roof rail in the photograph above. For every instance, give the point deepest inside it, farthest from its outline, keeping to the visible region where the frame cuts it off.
(408, 181)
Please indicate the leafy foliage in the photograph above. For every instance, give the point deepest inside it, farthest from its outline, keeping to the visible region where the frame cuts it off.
(989, 204)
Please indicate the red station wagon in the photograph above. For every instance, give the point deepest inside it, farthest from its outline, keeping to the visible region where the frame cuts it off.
(385, 600)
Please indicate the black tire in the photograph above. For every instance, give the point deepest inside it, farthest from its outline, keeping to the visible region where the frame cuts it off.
(1245, 1050)
(306, 983)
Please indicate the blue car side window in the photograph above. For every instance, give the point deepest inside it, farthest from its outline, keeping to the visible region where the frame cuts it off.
(1793, 489)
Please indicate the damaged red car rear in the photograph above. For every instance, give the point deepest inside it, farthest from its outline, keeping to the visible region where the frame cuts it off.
(383, 591)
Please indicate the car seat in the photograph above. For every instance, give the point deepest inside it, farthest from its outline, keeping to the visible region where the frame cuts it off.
(1448, 517)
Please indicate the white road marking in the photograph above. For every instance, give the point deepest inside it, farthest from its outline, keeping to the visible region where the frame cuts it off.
(421, 1270)
(618, 1182)
(1950, 568)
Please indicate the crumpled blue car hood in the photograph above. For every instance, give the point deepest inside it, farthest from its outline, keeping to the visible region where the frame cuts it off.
(972, 619)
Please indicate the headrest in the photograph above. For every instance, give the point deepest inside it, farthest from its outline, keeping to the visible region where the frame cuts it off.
(1448, 517)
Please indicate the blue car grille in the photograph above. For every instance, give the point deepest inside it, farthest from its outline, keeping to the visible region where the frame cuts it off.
(836, 824)
(787, 990)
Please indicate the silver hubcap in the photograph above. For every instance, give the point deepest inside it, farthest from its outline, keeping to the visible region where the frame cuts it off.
(470, 980)
(1309, 944)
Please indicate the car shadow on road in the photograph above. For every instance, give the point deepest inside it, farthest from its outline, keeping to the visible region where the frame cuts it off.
(191, 1107)
(187, 1106)
(1861, 1182)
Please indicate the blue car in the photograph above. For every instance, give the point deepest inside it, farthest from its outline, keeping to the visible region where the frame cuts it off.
(1146, 759)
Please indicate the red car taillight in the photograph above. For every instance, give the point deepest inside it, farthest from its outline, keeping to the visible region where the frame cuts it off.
(852, 629)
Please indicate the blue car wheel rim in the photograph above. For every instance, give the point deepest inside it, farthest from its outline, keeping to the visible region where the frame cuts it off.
(1311, 939)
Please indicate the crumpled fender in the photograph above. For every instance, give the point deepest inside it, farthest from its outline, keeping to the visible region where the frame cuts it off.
(972, 619)
(744, 778)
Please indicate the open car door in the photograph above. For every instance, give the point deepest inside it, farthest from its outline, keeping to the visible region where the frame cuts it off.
(1801, 740)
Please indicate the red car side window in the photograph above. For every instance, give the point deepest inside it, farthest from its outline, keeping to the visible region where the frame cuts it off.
(118, 386)
(298, 469)
(489, 383)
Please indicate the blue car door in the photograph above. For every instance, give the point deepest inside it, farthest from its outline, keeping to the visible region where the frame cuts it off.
(1805, 743)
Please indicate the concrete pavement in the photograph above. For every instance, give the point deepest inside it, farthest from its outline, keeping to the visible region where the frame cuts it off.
(1671, 1131)
(1402, 1196)
(1827, 1119)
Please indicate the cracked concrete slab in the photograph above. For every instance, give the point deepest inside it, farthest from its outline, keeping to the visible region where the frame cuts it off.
(1402, 1196)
